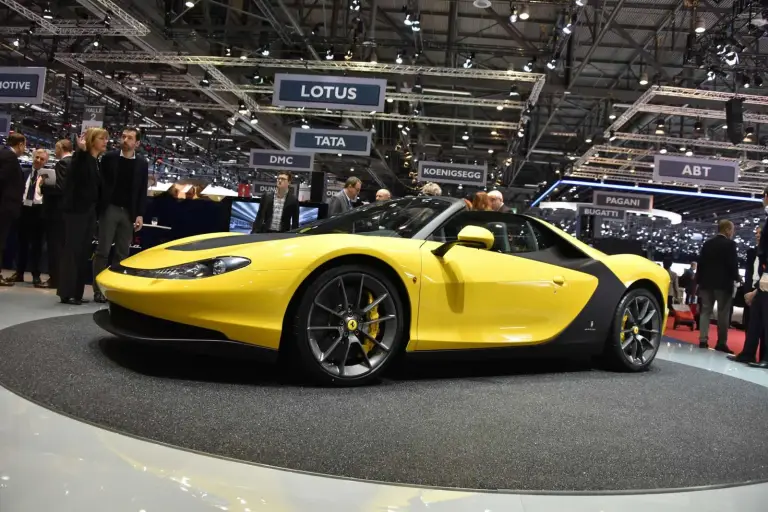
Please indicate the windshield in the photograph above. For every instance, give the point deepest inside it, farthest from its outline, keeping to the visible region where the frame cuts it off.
(401, 218)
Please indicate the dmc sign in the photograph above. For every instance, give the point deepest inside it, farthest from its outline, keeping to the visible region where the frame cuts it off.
(22, 85)
(457, 174)
(343, 93)
(606, 213)
(701, 171)
(280, 160)
(345, 142)
(620, 200)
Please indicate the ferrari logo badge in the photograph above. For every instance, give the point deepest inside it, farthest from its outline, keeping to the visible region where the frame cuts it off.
(352, 325)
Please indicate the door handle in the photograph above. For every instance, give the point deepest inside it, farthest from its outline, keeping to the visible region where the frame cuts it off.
(558, 280)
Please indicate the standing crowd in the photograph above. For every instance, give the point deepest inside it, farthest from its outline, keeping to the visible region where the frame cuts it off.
(90, 191)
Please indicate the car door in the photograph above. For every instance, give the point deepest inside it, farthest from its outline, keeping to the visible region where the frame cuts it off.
(473, 298)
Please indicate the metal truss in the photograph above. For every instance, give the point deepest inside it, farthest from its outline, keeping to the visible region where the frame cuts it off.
(112, 85)
(676, 141)
(111, 8)
(697, 112)
(396, 96)
(631, 111)
(684, 92)
(70, 28)
(744, 164)
(360, 67)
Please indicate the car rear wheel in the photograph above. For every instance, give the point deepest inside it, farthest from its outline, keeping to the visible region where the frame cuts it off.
(635, 332)
(349, 326)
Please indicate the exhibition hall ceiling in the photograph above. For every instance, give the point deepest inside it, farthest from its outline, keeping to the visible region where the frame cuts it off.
(530, 88)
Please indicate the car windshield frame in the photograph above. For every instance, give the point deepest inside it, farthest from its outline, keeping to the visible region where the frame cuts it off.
(369, 216)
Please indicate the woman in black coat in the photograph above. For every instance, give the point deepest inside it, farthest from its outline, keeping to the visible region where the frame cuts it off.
(80, 198)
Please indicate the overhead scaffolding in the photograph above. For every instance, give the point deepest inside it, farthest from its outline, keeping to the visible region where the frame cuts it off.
(76, 29)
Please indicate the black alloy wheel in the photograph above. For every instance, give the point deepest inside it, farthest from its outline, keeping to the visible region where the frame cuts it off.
(635, 334)
(349, 326)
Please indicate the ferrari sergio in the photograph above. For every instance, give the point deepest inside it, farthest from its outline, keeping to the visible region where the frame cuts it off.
(343, 297)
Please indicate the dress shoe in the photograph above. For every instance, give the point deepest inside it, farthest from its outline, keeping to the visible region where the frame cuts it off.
(100, 298)
(71, 301)
(16, 278)
(703, 345)
(761, 364)
(738, 358)
(723, 348)
(38, 283)
(6, 282)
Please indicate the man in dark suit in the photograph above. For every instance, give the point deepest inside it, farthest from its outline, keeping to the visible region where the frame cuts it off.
(31, 222)
(124, 177)
(688, 283)
(750, 291)
(716, 276)
(497, 201)
(53, 210)
(278, 210)
(345, 199)
(11, 190)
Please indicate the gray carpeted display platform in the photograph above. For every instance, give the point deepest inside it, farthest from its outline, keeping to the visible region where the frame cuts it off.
(526, 426)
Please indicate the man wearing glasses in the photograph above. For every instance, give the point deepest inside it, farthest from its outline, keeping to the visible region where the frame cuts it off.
(278, 210)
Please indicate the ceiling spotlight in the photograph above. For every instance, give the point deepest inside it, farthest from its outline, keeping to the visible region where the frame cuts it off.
(660, 127)
(490, 151)
(524, 14)
(580, 3)
(16, 42)
(643, 79)
(612, 115)
(227, 51)
(682, 148)
(697, 127)
(243, 56)
(689, 152)
(521, 133)
(254, 119)
(701, 27)
(663, 151)
(47, 13)
(765, 160)
(588, 140)
(178, 112)
(416, 24)
(348, 55)
(500, 107)
(470, 61)
(407, 21)
(711, 75)
(265, 51)
(731, 58)
(612, 137)
(304, 124)
(465, 136)
(494, 133)
(513, 15)
(529, 66)
(189, 4)
(241, 107)
(399, 58)
(97, 41)
(745, 81)
(513, 91)
(329, 54)
(552, 64)
(374, 59)
(757, 80)
(749, 134)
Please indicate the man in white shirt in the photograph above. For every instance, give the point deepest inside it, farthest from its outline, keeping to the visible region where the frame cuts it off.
(31, 223)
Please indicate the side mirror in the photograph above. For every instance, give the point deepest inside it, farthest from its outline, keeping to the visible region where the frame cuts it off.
(470, 236)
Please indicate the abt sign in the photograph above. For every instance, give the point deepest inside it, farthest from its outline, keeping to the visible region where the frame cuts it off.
(697, 171)
(281, 160)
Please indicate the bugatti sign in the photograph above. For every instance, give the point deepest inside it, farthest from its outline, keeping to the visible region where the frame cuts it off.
(334, 92)
(280, 160)
(614, 214)
(620, 200)
(345, 142)
(696, 171)
(457, 174)
(22, 85)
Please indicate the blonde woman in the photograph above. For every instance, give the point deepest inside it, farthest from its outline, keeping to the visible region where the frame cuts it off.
(431, 189)
(81, 196)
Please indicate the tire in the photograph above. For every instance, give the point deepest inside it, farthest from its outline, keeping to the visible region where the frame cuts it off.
(622, 350)
(324, 331)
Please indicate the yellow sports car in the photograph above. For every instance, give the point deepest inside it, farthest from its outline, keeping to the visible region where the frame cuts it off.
(343, 297)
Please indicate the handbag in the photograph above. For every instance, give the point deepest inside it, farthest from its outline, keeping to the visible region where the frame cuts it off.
(763, 284)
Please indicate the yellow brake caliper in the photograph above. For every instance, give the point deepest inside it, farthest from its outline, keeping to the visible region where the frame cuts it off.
(373, 329)
(623, 327)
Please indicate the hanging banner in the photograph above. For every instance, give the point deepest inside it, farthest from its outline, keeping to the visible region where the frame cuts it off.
(333, 92)
(343, 142)
(457, 174)
(93, 117)
(621, 200)
(281, 160)
(22, 85)
(613, 214)
(259, 188)
(5, 125)
(696, 171)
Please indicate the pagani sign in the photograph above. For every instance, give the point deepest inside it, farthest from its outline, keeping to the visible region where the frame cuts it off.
(333, 92)
(622, 201)
(457, 174)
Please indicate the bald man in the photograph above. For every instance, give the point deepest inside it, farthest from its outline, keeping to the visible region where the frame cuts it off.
(383, 195)
(497, 201)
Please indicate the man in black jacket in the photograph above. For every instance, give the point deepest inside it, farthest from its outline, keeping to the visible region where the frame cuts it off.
(11, 190)
(124, 178)
(53, 213)
(278, 210)
(716, 276)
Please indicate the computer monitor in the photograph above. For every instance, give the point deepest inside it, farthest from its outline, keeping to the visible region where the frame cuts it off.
(243, 213)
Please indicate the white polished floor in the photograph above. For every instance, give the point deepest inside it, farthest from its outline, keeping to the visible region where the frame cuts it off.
(51, 462)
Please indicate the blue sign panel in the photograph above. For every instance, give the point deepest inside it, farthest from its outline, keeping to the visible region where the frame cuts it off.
(5, 125)
(281, 160)
(22, 85)
(696, 171)
(344, 142)
(333, 92)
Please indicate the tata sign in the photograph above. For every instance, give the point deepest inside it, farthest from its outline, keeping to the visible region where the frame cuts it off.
(345, 142)
(696, 171)
(5, 125)
(334, 92)
(280, 160)
(22, 85)
(614, 214)
(620, 200)
(458, 174)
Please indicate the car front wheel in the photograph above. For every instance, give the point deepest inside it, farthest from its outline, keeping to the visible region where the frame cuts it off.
(635, 332)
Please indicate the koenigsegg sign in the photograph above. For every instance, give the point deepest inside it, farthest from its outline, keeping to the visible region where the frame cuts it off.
(624, 201)
(703, 171)
(615, 214)
(347, 93)
(22, 85)
(281, 160)
(457, 174)
(344, 142)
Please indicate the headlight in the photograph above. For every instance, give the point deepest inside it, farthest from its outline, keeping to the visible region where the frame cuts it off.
(194, 270)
